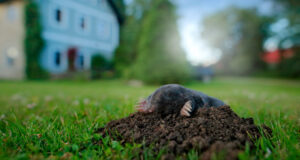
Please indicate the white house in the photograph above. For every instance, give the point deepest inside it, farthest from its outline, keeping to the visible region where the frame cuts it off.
(73, 31)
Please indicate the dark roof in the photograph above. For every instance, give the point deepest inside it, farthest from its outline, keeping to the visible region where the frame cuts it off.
(118, 11)
(2, 1)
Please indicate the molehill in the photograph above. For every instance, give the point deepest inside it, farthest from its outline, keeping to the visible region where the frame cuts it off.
(208, 131)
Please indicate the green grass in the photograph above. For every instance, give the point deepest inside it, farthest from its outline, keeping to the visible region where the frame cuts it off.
(54, 120)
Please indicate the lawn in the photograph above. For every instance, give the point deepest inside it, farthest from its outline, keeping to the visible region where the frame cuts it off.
(57, 120)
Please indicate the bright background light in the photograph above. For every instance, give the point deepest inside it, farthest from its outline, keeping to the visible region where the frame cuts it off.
(192, 12)
(198, 52)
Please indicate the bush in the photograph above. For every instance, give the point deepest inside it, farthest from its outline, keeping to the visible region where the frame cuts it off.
(290, 67)
(100, 67)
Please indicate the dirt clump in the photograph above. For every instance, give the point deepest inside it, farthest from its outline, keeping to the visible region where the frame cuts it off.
(208, 131)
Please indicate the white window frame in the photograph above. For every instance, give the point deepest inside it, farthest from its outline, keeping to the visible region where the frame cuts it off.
(12, 13)
(77, 61)
(63, 24)
(11, 53)
(60, 58)
(52, 51)
(88, 24)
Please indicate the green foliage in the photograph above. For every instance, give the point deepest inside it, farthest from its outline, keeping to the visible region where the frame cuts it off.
(100, 67)
(57, 120)
(153, 58)
(290, 10)
(33, 42)
(120, 6)
(239, 34)
(160, 58)
(290, 67)
(126, 53)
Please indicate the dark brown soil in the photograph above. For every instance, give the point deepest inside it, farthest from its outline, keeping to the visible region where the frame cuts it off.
(209, 131)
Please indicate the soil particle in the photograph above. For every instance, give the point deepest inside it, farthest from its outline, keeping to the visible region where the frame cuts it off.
(208, 131)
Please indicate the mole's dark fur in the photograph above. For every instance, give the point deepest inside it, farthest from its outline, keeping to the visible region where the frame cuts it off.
(175, 99)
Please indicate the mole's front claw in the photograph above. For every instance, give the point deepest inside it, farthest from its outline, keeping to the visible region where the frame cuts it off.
(141, 106)
(186, 110)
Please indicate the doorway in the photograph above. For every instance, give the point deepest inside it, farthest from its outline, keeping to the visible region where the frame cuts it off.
(72, 53)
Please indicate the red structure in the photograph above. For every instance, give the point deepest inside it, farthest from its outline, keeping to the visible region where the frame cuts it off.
(275, 57)
(72, 53)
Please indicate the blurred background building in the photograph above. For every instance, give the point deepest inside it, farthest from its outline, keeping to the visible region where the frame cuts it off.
(12, 35)
(161, 41)
(72, 32)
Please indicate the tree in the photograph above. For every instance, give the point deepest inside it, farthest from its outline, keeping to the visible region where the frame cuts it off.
(120, 6)
(33, 42)
(160, 58)
(290, 9)
(289, 67)
(239, 34)
(126, 53)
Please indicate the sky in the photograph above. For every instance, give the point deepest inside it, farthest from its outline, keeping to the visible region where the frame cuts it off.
(192, 12)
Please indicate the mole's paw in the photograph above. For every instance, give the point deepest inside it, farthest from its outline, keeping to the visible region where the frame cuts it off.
(186, 110)
(142, 107)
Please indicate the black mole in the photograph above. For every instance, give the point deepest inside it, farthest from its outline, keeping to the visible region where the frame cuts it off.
(175, 99)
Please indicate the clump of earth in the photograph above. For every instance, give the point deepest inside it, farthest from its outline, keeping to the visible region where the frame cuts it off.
(208, 131)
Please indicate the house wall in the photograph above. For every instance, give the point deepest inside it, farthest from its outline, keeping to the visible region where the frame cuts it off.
(100, 34)
(12, 62)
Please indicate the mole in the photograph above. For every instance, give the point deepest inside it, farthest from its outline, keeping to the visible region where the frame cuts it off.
(176, 99)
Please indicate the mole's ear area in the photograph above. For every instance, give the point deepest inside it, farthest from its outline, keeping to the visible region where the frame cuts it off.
(187, 108)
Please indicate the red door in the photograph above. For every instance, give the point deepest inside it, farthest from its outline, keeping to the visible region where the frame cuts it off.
(72, 53)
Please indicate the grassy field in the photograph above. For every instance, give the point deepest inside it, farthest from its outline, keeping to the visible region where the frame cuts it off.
(57, 120)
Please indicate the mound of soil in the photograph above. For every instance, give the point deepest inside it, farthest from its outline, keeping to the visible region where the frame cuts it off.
(208, 131)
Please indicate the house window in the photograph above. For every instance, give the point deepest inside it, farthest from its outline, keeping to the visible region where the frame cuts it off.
(10, 60)
(81, 61)
(82, 23)
(11, 56)
(57, 58)
(58, 15)
(11, 13)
